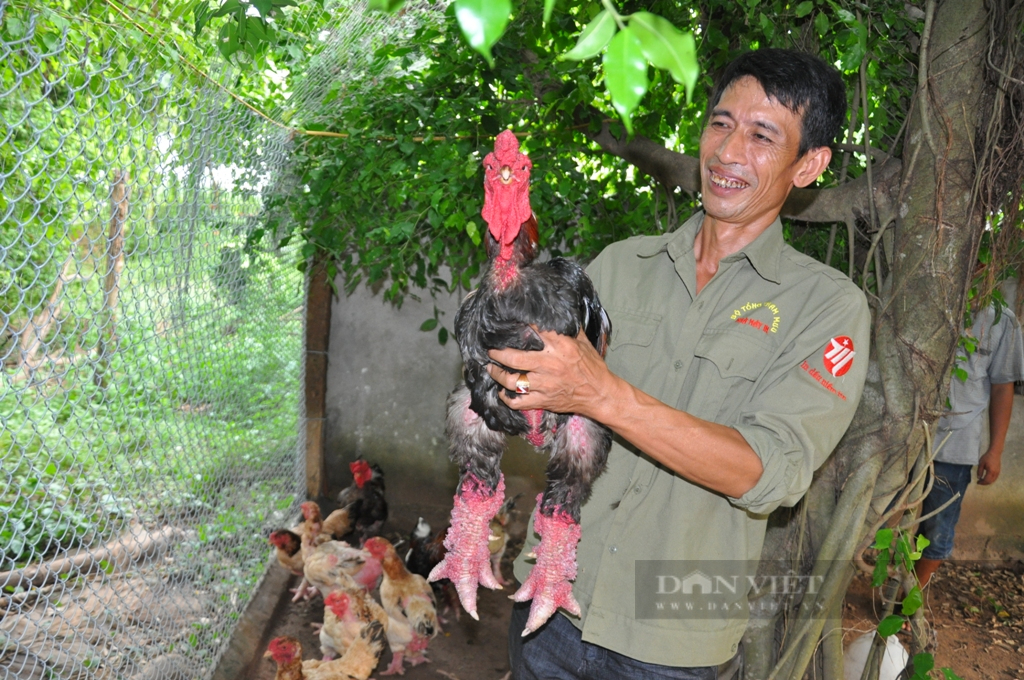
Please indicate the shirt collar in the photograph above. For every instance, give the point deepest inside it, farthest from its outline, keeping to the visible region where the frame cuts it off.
(763, 253)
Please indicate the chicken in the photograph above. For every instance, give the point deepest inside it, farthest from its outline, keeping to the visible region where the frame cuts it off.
(365, 500)
(498, 538)
(336, 565)
(346, 614)
(288, 546)
(317, 530)
(426, 550)
(409, 602)
(295, 545)
(359, 660)
(515, 296)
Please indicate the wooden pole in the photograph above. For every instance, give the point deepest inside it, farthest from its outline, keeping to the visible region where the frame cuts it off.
(318, 332)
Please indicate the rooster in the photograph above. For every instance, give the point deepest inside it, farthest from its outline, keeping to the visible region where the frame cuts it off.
(409, 602)
(359, 660)
(335, 565)
(515, 297)
(364, 499)
(346, 615)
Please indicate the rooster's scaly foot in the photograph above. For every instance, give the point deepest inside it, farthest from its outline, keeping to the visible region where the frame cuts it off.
(468, 561)
(549, 584)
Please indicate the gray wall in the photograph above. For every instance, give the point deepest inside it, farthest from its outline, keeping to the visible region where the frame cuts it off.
(387, 382)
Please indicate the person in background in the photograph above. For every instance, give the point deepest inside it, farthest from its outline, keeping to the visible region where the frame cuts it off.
(995, 364)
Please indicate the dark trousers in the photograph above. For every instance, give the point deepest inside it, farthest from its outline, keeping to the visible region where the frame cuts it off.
(557, 652)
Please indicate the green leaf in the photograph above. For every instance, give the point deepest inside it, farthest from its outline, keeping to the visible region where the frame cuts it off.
(960, 374)
(667, 47)
(883, 539)
(625, 74)
(912, 602)
(890, 625)
(442, 335)
(923, 663)
(473, 232)
(385, 5)
(821, 23)
(483, 22)
(922, 542)
(948, 674)
(595, 36)
(804, 8)
(549, 7)
(881, 569)
(428, 325)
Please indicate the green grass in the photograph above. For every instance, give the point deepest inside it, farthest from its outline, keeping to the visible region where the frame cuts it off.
(193, 420)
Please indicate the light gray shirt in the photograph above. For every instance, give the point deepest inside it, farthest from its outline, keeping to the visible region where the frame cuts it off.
(998, 359)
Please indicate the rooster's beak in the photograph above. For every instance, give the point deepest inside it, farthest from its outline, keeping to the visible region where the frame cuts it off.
(506, 174)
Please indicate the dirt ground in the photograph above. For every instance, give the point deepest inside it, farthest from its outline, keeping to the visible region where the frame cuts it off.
(976, 610)
(467, 649)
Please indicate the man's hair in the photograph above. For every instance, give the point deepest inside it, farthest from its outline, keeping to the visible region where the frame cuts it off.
(802, 83)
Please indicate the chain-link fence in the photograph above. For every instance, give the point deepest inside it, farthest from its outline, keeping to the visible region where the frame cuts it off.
(152, 356)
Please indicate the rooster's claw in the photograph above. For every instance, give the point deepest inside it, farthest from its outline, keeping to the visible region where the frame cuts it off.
(468, 561)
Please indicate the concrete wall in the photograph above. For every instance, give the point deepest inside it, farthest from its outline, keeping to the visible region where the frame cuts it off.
(387, 382)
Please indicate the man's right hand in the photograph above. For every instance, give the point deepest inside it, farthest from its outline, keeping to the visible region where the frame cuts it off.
(989, 467)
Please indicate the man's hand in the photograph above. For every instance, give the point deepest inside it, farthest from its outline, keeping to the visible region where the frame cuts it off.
(567, 376)
(989, 467)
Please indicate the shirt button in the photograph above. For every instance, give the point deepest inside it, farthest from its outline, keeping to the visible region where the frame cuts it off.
(637, 489)
(678, 364)
(700, 306)
(613, 549)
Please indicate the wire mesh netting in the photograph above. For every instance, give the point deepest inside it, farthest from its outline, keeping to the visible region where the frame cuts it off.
(150, 404)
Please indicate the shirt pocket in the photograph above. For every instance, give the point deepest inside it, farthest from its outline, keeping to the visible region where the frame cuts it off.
(728, 368)
(629, 351)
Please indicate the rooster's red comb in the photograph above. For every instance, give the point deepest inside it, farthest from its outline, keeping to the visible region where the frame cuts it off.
(506, 143)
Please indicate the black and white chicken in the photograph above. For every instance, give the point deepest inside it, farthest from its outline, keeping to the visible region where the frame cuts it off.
(516, 296)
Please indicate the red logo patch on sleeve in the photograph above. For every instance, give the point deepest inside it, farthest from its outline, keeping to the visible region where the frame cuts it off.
(839, 355)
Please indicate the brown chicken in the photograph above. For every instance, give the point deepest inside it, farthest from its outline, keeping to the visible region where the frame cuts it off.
(409, 602)
(346, 615)
(359, 660)
(336, 565)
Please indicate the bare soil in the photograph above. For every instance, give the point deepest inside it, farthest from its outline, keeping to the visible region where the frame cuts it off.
(975, 609)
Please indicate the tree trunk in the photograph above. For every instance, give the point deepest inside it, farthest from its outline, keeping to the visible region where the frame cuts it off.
(107, 339)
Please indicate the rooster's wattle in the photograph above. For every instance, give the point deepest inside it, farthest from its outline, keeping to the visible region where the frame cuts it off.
(515, 296)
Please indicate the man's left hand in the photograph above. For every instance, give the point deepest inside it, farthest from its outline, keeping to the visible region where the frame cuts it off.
(567, 376)
(989, 467)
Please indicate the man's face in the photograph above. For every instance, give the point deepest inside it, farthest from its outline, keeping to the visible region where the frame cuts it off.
(748, 155)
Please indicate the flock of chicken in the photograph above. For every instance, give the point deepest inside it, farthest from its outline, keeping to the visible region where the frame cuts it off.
(323, 550)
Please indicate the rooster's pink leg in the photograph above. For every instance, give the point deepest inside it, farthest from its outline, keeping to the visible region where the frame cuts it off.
(395, 667)
(549, 583)
(468, 561)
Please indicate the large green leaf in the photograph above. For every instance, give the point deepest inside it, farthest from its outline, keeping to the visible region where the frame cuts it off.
(667, 47)
(595, 36)
(625, 74)
(890, 625)
(913, 601)
(483, 22)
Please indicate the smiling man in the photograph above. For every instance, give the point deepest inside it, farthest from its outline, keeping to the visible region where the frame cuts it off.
(735, 366)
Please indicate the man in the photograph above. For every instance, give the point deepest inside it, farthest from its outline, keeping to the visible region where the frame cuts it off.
(996, 362)
(735, 366)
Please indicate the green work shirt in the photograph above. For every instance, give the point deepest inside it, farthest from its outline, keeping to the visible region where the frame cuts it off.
(775, 346)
